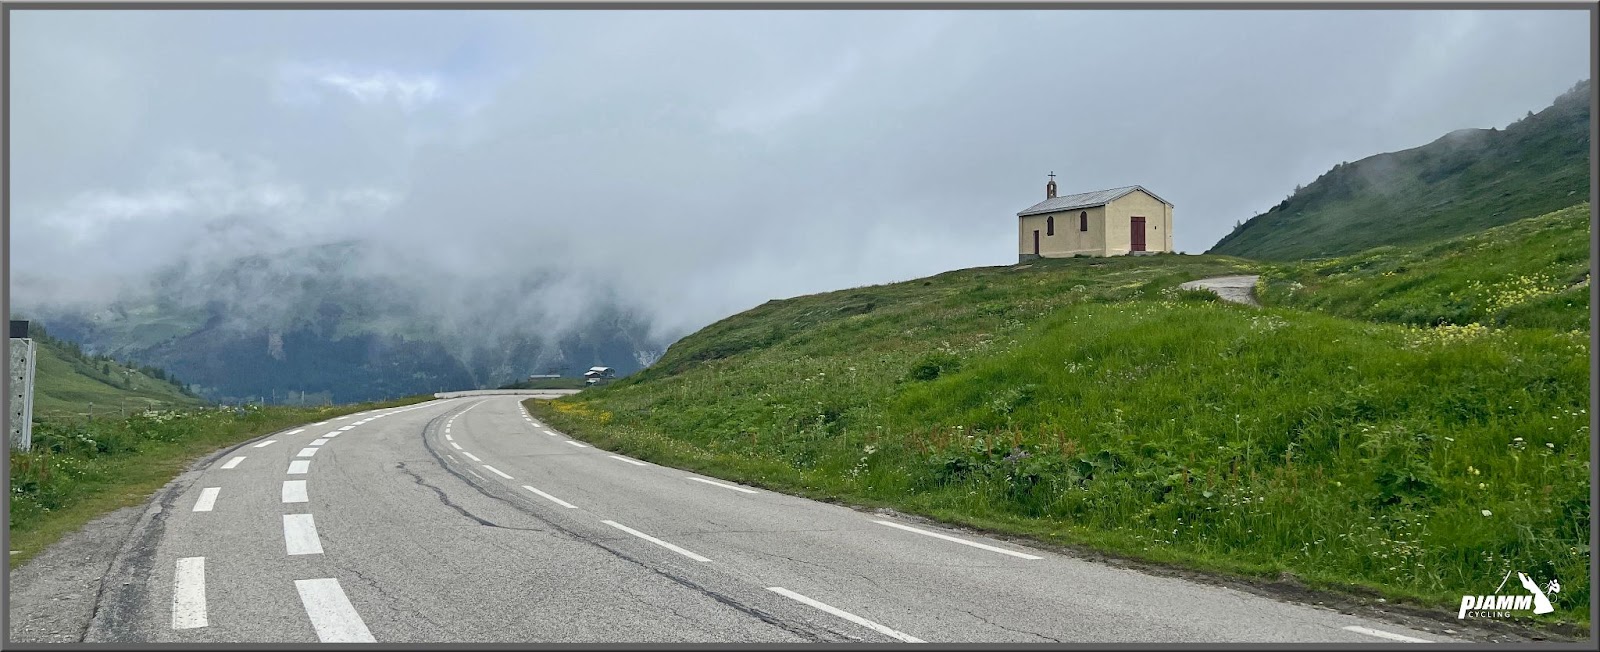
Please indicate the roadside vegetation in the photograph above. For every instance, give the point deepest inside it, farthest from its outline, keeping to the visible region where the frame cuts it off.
(78, 469)
(1088, 402)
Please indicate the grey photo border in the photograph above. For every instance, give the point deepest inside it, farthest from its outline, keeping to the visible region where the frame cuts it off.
(1592, 9)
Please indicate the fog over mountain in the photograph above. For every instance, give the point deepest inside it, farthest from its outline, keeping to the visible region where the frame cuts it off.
(529, 188)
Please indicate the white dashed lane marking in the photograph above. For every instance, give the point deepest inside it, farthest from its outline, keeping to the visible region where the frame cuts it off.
(724, 486)
(294, 491)
(189, 594)
(300, 535)
(208, 499)
(577, 444)
(1383, 634)
(845, 615)
(265, 444)
(332, 616)
(497, 472)
(307, 452)
(963, 542)
(634, 462)
(233, 462)
(551, 498)
(656, 541)
(297, 467)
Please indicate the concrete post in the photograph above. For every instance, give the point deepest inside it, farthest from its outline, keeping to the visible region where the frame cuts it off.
(21, 417)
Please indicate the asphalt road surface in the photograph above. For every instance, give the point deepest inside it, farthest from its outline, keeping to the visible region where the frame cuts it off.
(465, 520)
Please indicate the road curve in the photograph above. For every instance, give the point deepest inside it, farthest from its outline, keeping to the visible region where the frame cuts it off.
(465, 520)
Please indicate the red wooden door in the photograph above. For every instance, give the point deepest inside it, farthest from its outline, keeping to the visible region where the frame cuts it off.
(1136, 234)
(1035, 242)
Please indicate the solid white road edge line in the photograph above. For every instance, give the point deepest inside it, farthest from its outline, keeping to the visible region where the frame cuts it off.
(497, 472)
(964, 542)
(577, 444)
(845, 615)
(233, 462)
(189, 593)
(208, 499)
(619, 457)
(332, 616)
(551, 498)
(297, 467)
(724, 486)
(1382, 634)
(300, 535)
(654, 540)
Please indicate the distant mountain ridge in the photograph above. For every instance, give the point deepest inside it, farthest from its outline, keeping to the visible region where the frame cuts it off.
(1467, 180)
(311, 325)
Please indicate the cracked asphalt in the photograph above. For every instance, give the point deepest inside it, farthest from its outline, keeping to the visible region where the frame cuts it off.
(430, 542)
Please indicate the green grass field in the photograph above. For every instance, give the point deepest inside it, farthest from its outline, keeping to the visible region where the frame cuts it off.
(1088, 402)
(1530, 273)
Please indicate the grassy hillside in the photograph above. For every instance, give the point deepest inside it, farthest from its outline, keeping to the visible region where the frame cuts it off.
(1464, 182)
(1087, 402)
(67, 381)
(1530, 273)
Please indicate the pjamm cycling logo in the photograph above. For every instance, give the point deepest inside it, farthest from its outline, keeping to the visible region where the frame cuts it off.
(1502, 606)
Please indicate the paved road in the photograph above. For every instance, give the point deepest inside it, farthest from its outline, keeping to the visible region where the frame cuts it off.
(1238, 289)
(464, 520)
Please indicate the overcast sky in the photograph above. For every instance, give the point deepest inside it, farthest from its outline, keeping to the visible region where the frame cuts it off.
(700, 163)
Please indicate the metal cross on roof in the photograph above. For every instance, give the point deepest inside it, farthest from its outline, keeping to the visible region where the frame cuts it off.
(1052, 175)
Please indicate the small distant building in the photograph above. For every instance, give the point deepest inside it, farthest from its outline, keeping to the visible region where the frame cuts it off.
(598, 375)
(1114, 222)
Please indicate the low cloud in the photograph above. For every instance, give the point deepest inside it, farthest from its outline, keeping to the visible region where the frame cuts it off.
(520, 171)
